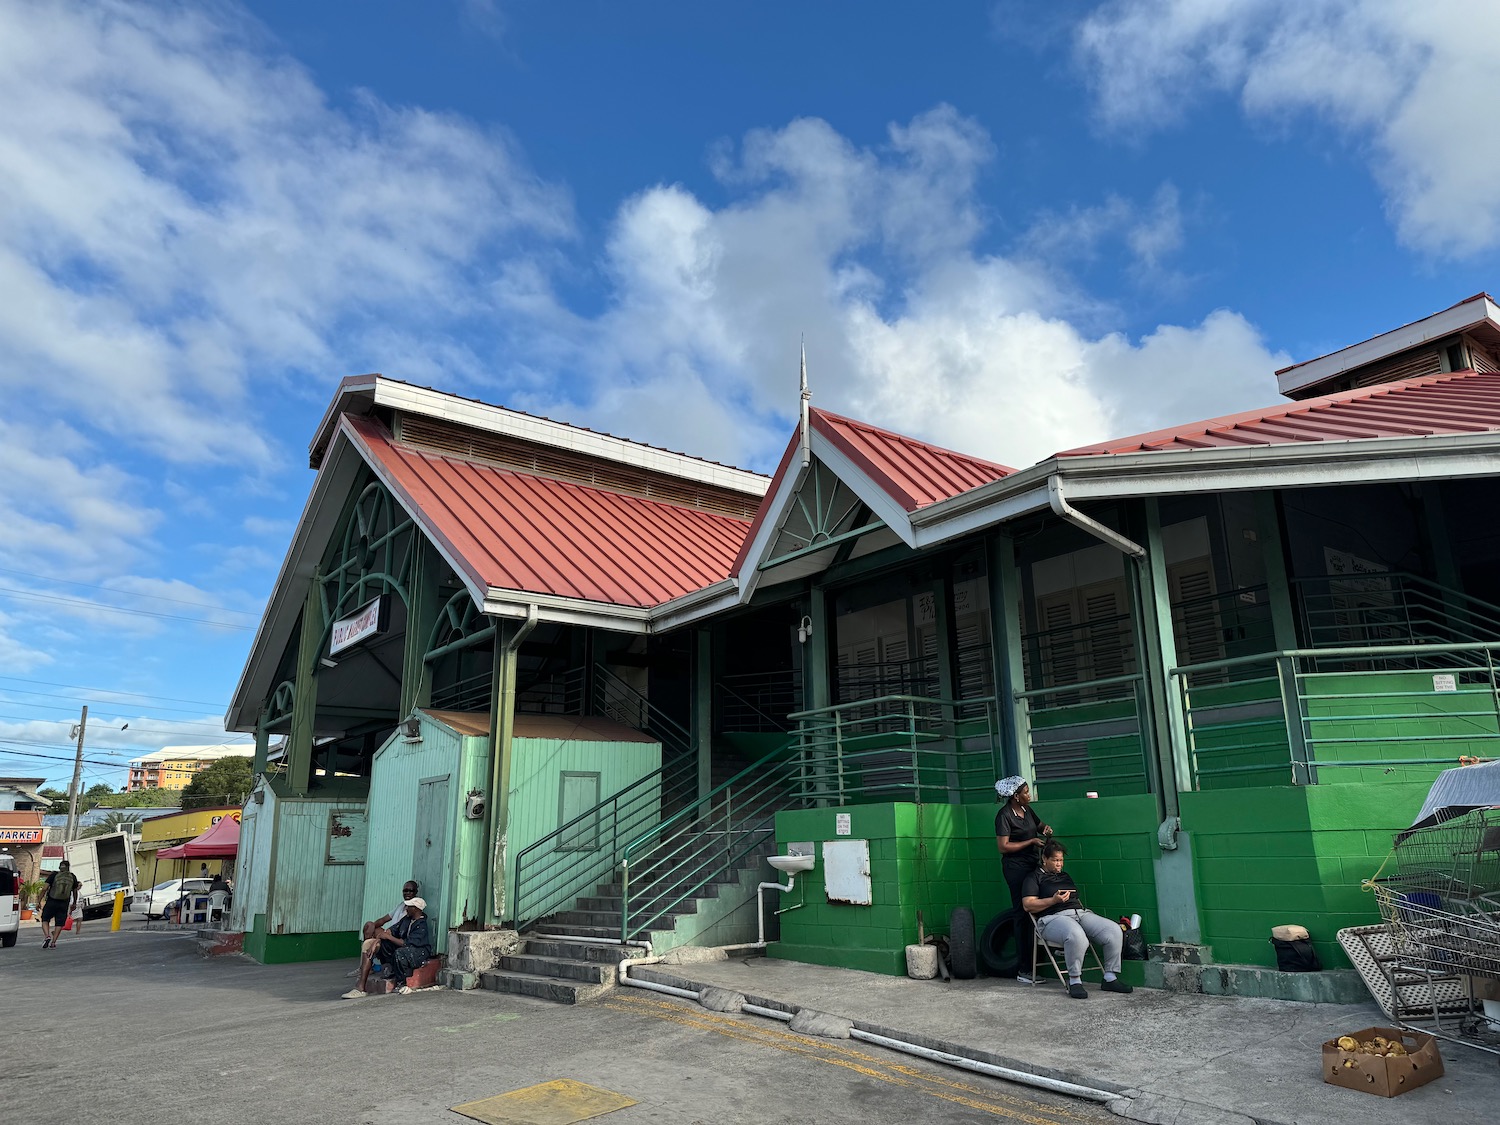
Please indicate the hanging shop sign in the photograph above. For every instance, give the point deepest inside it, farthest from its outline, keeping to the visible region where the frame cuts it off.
(369, 620)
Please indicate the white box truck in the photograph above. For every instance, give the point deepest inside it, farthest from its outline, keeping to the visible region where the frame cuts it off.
(104, 865)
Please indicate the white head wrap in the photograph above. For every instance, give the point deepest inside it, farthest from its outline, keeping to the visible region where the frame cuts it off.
(1008, 785)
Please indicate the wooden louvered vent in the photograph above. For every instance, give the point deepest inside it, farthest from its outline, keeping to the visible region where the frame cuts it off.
(1400, 367)
(523, 456)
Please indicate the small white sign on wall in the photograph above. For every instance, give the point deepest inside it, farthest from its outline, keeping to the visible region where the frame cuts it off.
(846, 872)
(1445, 681)
(841, 824)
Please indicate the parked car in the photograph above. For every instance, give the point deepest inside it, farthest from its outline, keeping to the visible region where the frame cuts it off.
(154, 903)
(10, 902)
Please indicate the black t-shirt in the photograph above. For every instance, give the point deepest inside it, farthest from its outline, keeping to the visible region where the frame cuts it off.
(1043, 884)
(1020, 827)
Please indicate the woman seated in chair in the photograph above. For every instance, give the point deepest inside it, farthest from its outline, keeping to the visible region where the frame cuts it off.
(1050, 896)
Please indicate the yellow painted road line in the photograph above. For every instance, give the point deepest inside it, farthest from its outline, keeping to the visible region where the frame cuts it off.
(836, 1054)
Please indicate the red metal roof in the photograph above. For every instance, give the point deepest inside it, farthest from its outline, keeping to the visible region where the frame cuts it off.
(1462, 402)
(515, 531)
(914, 473)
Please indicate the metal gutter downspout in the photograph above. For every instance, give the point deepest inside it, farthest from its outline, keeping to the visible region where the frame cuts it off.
(502, 723)
(1066, 511)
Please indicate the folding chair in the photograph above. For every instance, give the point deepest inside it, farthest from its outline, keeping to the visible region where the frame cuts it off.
(1039, 945)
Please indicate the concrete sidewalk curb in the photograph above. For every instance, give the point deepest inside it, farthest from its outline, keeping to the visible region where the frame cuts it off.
(1132, 1104)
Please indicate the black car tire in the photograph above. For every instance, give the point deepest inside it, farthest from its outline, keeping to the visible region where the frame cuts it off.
(8, 940)
(961, 944)
(997, 946)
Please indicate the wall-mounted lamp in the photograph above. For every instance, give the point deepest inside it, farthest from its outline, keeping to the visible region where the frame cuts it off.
(804, 630)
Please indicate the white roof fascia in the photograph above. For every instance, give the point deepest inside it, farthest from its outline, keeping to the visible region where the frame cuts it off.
(770, 529)
(516, 604)
(324, 504)
(1114, 476)
(897, 518)
(1469, 313)
(559, 435)
(347, 388)
(697, 606)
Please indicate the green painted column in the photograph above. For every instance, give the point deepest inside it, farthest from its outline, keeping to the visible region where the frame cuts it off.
(1010, 665)
(305, 709)
(1176, 889)
(502, 730)
(703, 707)
(818, 689)
(421, 617)
(1278, 583)
(945, 642)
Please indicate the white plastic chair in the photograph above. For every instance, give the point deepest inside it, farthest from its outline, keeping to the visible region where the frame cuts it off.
(216, 903)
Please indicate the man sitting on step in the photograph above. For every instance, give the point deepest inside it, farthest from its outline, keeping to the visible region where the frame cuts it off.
(1050, 896)
(371, 934)
(407, 945)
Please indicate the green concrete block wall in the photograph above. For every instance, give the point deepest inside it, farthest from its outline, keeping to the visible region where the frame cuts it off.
(1265, 857)
(1112, 847)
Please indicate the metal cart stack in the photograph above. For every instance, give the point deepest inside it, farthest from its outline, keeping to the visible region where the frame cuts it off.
(1437, 955)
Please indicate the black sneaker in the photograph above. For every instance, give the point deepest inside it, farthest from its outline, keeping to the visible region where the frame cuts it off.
(1078, 992)
(1117, 985)
(46, 943)
(1024, 978)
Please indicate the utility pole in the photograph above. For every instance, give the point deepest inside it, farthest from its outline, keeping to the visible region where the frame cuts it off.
(72, 830)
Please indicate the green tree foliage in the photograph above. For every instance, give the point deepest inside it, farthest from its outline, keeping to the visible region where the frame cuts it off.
(226, 782)
(142, 799)
(50, 793)
(94, 795)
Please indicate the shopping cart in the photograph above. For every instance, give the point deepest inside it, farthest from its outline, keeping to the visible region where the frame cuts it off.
(1439, 898)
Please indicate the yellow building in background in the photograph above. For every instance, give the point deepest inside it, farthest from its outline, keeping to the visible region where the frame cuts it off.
(172, 767)
(167, 831)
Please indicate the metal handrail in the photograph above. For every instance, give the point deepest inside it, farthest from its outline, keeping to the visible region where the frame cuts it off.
(1293, 710)
(687, 850)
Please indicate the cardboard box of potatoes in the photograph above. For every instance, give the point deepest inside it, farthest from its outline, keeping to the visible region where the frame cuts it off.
(1382, 1060)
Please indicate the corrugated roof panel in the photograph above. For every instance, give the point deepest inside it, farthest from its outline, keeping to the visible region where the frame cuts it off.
(1454, 403)
(914, 473)
(512, 530)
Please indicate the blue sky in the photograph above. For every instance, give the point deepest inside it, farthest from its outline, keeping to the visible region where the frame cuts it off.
(1003, 230)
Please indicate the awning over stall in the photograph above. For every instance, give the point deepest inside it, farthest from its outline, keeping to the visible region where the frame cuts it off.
(221, 841)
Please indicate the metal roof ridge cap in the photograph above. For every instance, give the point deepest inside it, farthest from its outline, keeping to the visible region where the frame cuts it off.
(609, 447)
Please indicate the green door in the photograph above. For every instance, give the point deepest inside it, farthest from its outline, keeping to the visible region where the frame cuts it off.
(429, 861)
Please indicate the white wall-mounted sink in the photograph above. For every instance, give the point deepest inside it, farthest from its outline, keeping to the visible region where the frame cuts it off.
(791, 864)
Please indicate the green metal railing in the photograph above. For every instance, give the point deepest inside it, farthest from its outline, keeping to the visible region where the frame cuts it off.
(1087, 735)
(707, 842)
(898, 748)
(757, 702)
(1285, 716)
(1391, 607)
(553, 871)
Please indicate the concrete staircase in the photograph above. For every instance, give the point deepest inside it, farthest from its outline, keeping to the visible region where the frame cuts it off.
(577, 971)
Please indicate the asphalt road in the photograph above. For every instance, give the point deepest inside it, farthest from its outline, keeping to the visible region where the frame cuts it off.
(136, 1026)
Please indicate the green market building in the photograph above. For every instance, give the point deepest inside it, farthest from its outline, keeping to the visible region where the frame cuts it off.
(581, 685)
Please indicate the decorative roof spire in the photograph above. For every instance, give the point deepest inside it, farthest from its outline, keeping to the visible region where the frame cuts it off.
(806, 428)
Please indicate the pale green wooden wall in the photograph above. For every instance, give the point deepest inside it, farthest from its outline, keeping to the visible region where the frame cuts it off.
(311, 896)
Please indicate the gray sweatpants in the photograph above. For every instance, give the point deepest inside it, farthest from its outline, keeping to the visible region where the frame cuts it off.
(1073, 929)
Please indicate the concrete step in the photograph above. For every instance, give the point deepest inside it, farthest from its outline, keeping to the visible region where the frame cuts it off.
(542, 929)
(606, 905)
(539, 946)
(565, 968)
(543, 988)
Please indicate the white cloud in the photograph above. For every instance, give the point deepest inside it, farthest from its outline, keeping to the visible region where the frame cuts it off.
(184, 210)
(1411, 84)
(873, 254)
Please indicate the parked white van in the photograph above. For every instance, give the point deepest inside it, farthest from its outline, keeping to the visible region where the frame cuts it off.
(10, 901)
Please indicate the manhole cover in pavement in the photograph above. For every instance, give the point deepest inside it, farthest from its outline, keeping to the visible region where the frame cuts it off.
(559, 1102)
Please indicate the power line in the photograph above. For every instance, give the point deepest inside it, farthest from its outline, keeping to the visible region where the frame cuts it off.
(133, 723)
(74, 699)
(114, 691)
(12, 592)
(128, 593)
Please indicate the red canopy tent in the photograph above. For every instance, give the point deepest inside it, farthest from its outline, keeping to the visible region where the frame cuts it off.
(221, 841)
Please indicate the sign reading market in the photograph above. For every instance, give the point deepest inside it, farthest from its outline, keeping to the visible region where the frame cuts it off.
(369, 620)
(20, 835)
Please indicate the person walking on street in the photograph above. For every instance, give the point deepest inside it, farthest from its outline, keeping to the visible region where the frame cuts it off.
(60, 900)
